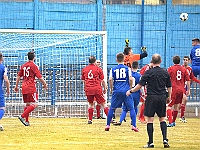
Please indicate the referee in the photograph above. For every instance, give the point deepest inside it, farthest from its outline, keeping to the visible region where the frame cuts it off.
(157, 80)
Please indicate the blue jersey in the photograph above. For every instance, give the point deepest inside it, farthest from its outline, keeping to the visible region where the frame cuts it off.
(136, 78)
(195, 55)
(3, 71)
(120, 75)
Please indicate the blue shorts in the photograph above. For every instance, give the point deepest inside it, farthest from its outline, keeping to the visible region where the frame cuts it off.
(135, 99)
(119, 98)
(2, 100)
(196, 70)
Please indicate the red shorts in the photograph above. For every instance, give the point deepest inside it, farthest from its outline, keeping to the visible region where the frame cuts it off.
(30, 97)
(176, 98)
(99, 98)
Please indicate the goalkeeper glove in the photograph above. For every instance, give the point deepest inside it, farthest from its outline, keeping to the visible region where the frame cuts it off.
(144, 49)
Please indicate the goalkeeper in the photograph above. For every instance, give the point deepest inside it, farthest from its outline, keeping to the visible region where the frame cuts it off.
(130, 57)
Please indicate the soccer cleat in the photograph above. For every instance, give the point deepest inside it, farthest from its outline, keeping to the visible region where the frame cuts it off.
(27, 124)
(183, 119)
(113, 121)
(149, 145)
(100, 117)
(22, 120)
(165, 143)
(135, 129)
(1, 128)
(124, 120)
(117, 123)
(171, 124)
(107, 128)
(89, 122)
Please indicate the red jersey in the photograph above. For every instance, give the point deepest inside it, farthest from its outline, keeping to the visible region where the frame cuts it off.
(178, 75)
(93, 76)
(191, 75)
(129, 59)
(29, 71)
(144, 69)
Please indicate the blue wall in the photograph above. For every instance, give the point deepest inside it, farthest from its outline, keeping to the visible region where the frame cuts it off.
(164, 33)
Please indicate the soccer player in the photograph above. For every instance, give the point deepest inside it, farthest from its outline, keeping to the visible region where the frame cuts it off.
(3, 77)
(29, 71)
(120, 80)
(129, 57)
(93, 77)
(136, 96)
(179, 76)
(143, 94)
(98, 106)
(186, 60)
(157, 80)
(195, 56)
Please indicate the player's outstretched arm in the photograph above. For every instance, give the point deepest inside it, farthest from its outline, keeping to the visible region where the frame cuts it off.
(16, 89)
(43, 82)
(136, 88)
(193, 78)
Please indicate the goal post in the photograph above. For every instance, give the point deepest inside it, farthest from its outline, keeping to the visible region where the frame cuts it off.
(60, 55)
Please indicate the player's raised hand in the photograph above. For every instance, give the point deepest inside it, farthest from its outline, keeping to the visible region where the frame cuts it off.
(16, 89)
(144, 49)
(127, 42)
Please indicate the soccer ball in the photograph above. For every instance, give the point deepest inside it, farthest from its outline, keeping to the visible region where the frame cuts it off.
(184, 16)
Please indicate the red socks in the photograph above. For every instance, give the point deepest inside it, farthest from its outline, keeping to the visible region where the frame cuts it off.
(98, 108)
(141, 111)
(90, 113)
(182, 110)
(169, 115)
(28, 110)
(26, 117)
(106, 109)
(175, 115)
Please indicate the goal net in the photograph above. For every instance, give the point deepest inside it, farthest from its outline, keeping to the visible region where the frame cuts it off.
(60, 55)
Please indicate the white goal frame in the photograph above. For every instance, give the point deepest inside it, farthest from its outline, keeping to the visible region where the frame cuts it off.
(104, 59)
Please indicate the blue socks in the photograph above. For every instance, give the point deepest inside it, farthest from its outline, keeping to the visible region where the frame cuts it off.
(1, 113)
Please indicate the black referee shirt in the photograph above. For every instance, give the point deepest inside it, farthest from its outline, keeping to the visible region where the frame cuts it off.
(156, 79)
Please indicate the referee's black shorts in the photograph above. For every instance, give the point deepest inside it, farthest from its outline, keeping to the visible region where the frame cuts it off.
(155, 104)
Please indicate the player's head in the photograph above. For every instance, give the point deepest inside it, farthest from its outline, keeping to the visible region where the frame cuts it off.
(92, 59)
(156, 59)
(127, 50)
(195, 41)
(176, 59)
(1, 57)
(135, 65)
(120, 57)
(98, 63)
(31, 55)
(186, 60)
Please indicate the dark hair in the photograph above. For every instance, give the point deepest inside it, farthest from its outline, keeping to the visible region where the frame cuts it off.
(196, 40)
(31, 55)
(187, 57)
(156, 59)
(176, 59)
(1, 56)
(127, 50)
(135, 65)
(92, 59)
(120, 57)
